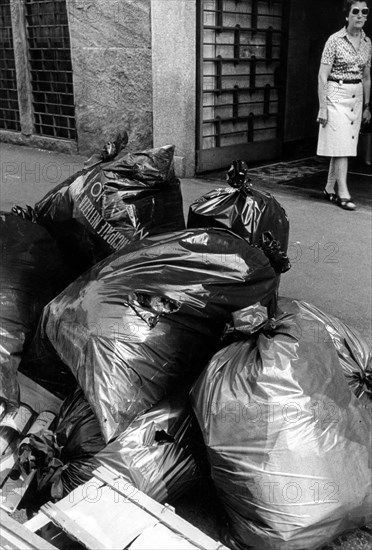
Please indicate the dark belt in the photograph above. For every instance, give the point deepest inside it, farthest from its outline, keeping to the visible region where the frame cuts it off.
(345, 81)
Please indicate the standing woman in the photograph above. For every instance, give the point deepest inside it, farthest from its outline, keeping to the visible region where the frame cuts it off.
(344, 94)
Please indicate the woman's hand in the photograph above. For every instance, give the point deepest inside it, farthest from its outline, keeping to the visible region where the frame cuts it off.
(322, 117)
(366, 115)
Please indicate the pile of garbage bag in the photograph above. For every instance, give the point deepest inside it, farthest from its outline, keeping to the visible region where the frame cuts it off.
(145, 321)
(175, 357)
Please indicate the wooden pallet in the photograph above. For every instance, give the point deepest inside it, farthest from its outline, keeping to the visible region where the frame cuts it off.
(14, 536)
(109, 513)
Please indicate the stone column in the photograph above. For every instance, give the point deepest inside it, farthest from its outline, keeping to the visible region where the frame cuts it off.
(111, 61)
(173, 24)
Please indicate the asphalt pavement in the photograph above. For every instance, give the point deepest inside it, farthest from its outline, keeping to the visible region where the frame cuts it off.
(330, 248)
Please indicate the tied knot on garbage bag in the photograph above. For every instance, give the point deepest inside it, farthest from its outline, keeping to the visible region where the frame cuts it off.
(42, 453)
(112, 148)
(246, 321)
(361, 382)
(65, 457)
(249, 321)
(237, 175)
(109, 151)
(25, 212)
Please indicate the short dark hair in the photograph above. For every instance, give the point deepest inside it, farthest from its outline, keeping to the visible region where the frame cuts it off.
(348, 4)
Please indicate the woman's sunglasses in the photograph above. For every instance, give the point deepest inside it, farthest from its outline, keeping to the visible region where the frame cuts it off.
(357, 11)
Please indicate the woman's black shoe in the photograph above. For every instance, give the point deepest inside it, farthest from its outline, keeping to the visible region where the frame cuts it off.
(329, 196)
(346, 204)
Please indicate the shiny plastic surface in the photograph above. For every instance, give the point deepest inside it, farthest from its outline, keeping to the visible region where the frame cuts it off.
(63, 458)
(155, 453)
(79, 434)
(354, 354)
(106, 206)
(247, 211)
(288, 442)
(127, 357)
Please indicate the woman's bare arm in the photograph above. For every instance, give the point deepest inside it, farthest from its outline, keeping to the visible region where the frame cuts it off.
(366, 93)
(323, 75)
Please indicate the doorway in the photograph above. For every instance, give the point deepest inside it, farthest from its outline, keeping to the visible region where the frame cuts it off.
(240, 81)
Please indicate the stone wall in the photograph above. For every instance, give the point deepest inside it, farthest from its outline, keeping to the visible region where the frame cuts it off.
(112, 71)
(174, 79)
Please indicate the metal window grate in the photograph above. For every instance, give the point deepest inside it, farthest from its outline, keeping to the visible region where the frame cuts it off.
(50, 68)
(9, 107)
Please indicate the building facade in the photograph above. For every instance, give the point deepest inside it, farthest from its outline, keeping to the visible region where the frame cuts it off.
(220, 79)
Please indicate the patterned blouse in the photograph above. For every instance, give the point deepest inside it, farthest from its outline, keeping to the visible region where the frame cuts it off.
(347, 62)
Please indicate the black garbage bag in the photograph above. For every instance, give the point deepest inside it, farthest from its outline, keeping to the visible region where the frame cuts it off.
(109, 151)
(252, 214)
(354, 354)
(159, 453)
(65, 457)
(41, 364)
(79, 435)
(143, 322)
(32, 273)
(287, 441)
(106, 206)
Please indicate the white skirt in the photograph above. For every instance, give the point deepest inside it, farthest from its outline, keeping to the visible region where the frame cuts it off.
(340, 136)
